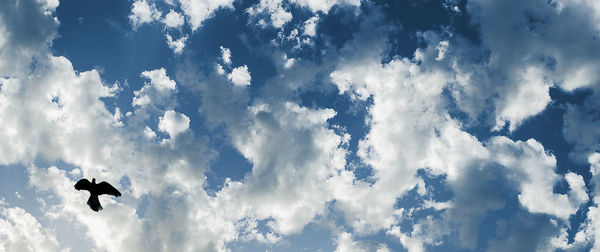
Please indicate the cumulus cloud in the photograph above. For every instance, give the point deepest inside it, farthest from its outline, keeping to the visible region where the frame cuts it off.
(26, 29)
(142, 12)
(310, 26)
(157, 90)
(173, 123)
(324, 6)
(279, 11)
(345, 243)
(159, 79)
(20, 231)
(289, 146)
(527, 56)
(77, 133)
(54, 113)
(173, 19)
(278, 16)
(198, 11)
(240, 76)
(225, 55)
(407, 107)
(176, 45)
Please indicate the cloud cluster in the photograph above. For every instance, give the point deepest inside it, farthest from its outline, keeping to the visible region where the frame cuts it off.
(409, 108)
(52, 113)
(277, 13)
(524, 54)
(20, 231)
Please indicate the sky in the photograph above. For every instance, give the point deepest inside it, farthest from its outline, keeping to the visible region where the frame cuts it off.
(301, 125)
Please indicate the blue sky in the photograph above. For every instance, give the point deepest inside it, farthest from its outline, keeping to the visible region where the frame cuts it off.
(300, 125)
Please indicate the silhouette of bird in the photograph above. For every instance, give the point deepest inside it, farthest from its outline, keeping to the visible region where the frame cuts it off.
(95, 190)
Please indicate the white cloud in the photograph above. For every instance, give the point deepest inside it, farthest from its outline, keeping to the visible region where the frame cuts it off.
(442, 48)
(53, 112)
(199, 10)
(525, 41)
(536, 170)
(346, 243)
(310, 26)
(149, 133)
(240, 76)
(56, 113)
(220, 69)
(289, 62)
(290, 147)
(408, 108)
(176, 45)
(278, 16)
(173, 123)
(159, 79)
(225, 55)
(427, 231)
(324, 6)
(528, 98)
(173, 19)
(142, 12)
(156, 91)
(20, 231)
(589, 233)
(17, 47)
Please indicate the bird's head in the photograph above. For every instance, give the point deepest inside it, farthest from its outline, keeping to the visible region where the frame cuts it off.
(93, 180)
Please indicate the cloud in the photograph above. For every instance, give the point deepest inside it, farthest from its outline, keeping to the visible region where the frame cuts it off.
(173, 123)
(225, 55)
(20, 231)
(279, 11)
(278, 16)
(589, 232)
(176, 45)
(428, 231)
(310, 26)
(158, 79)
(289, 140)
(173, 19)
(27, 28)
(408, 107)
(53, 113)
(324, 6)
(580, 126)
(156, 91)
(289, 146)
(240, 76)
(198, 11)
(56, 113)
(345, 243)
(522, 45)
(142, 12)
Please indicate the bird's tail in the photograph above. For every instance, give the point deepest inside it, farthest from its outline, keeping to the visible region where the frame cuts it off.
(94, 203)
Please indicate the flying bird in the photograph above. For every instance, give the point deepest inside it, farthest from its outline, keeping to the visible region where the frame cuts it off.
(95, 190)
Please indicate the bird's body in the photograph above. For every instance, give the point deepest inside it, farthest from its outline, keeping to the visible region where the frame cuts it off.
(95, 190)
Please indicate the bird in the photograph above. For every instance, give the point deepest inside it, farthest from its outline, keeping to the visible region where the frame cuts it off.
(95, 190)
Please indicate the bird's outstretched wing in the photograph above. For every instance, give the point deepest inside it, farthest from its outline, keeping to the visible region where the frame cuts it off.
(83, 184)
(106, 188)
